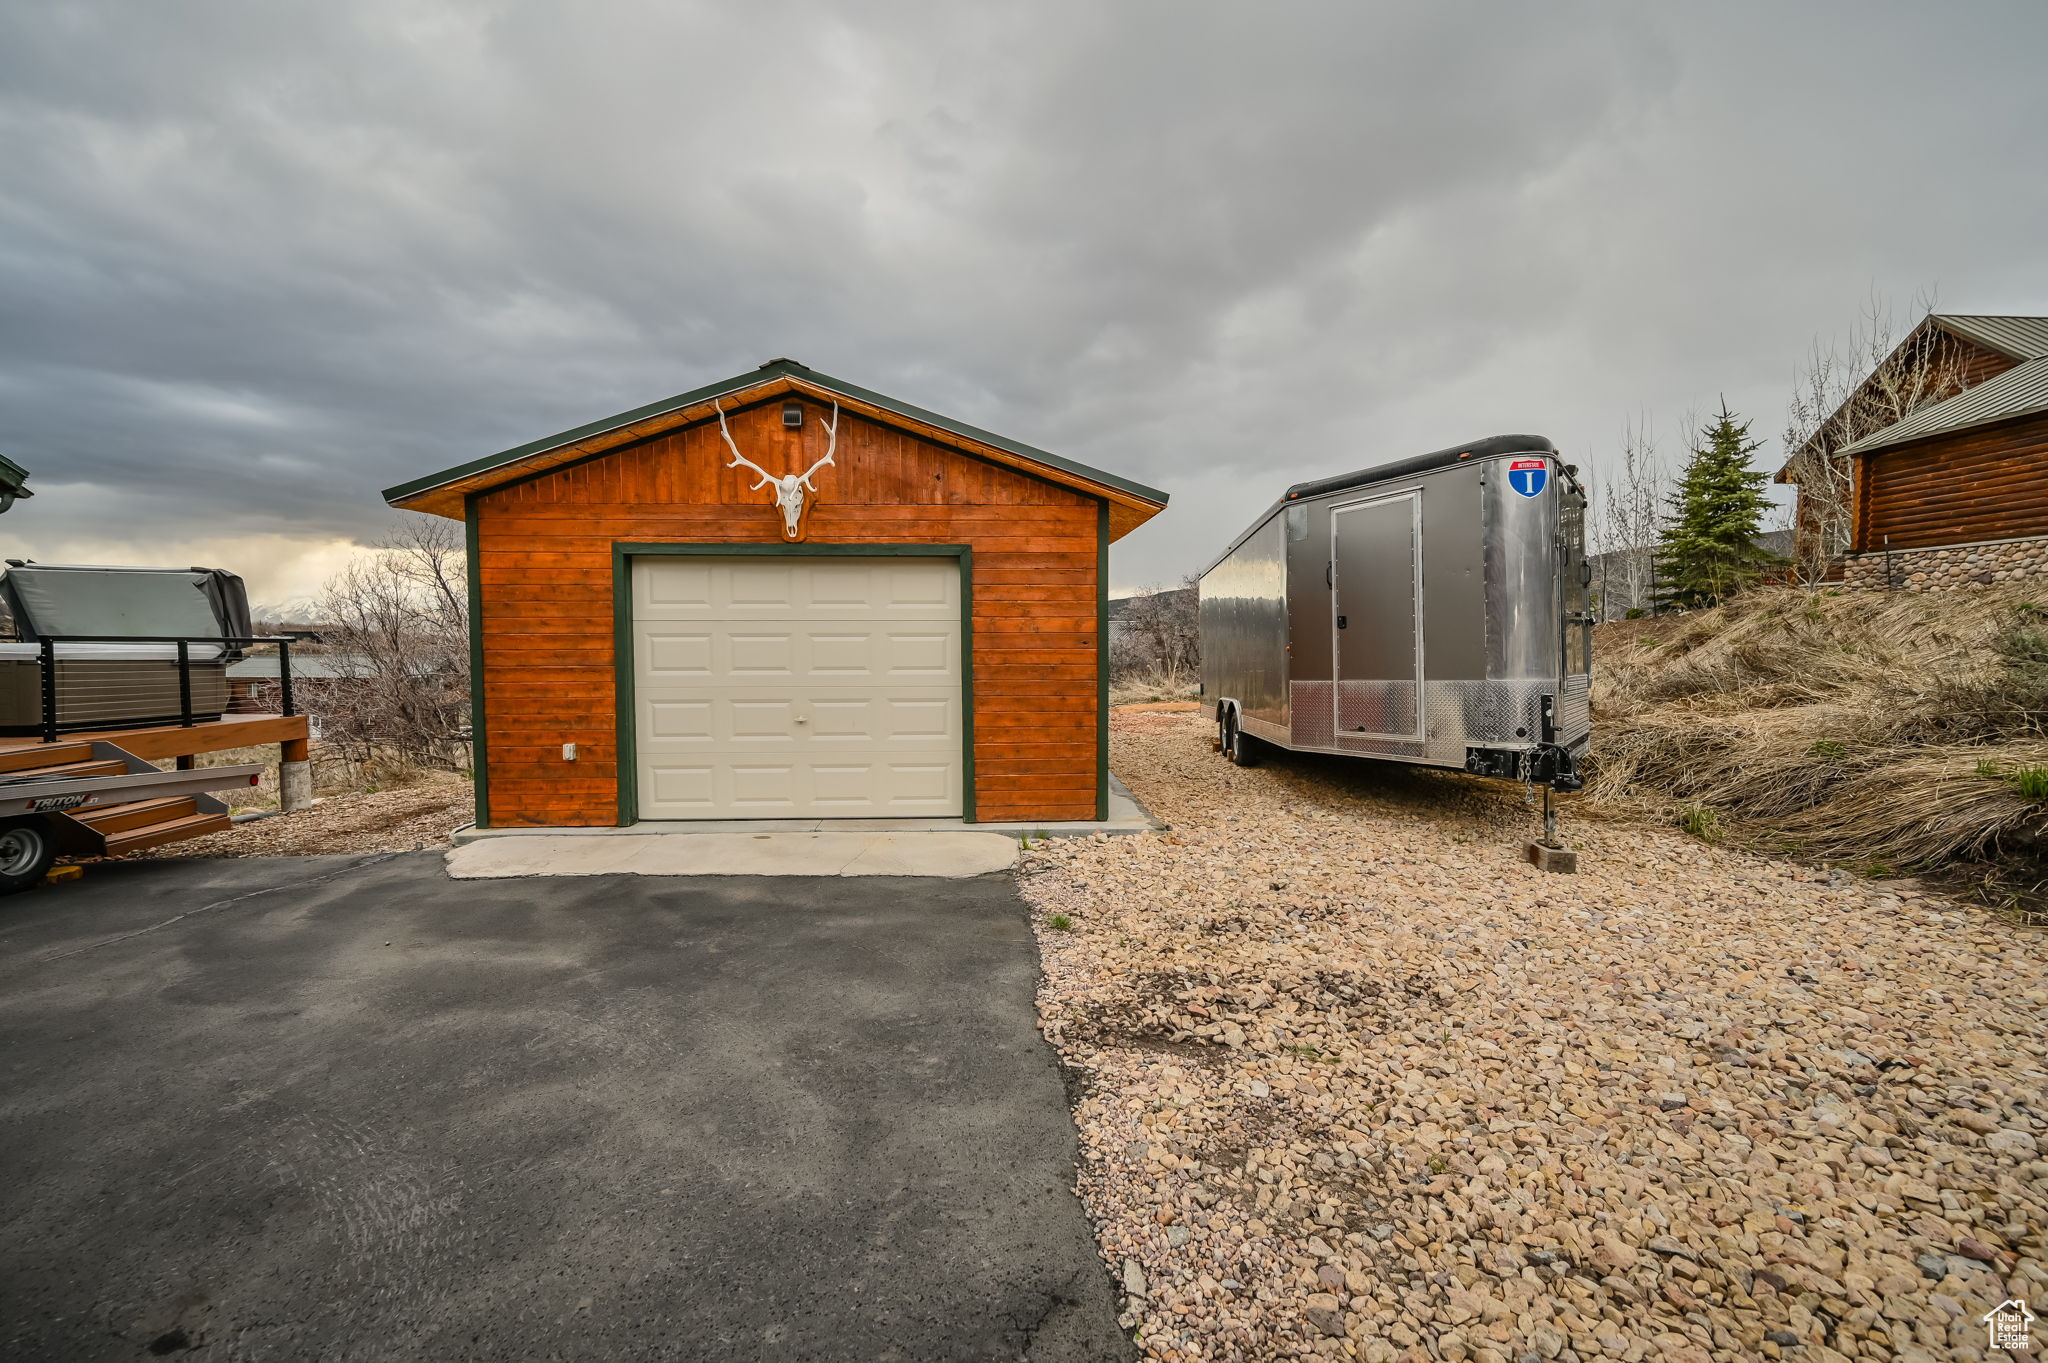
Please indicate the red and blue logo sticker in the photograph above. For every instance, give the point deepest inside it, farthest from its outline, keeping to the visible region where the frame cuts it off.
(1529, 476)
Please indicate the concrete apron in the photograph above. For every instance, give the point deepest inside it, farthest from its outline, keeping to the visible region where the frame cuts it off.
(945, 854)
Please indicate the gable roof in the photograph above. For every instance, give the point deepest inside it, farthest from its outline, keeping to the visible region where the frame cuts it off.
(2016, 338)
(443, 493)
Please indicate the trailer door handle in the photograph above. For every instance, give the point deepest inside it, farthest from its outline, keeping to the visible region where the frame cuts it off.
(1340, 622)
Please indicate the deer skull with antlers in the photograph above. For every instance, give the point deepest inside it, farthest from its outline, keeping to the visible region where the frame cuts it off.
(790, 487)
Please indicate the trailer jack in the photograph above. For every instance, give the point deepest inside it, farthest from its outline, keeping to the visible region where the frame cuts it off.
(1554, 769)
(1550, 766)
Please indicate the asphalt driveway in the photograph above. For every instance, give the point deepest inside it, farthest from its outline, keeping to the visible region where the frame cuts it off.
(345, 1108)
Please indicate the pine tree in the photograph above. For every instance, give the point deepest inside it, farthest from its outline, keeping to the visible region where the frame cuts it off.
(1709, 548)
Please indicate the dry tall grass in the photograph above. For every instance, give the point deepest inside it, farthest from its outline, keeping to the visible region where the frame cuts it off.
(1888, 730)
(1137, 686)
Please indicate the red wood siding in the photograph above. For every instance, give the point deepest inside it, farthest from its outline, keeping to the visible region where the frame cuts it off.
(545, 563)
(1989, 483)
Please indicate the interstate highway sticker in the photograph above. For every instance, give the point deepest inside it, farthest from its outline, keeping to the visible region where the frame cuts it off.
(1529, 476)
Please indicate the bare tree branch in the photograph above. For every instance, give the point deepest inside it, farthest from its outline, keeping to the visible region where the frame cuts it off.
(1845, 391)
(396, 619)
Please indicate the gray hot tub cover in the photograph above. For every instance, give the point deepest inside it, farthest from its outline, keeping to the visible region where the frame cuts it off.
(76, 598)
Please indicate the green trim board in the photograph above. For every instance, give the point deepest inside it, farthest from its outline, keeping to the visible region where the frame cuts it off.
(1102, 660)
(623, 554)
(774, 369)
(479, 742)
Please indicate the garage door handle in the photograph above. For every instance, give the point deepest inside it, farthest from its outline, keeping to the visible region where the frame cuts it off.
(801, 720)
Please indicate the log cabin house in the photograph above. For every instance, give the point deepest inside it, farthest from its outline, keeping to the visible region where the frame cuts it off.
(1955, 490)
(782, 596)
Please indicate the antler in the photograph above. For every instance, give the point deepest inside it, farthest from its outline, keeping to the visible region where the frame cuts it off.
(831, 444)
(738, 458)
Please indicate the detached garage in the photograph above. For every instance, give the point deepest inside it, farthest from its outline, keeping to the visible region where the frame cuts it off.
(786, 597)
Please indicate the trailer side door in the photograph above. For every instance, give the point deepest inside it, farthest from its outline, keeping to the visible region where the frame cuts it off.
(1376, 617)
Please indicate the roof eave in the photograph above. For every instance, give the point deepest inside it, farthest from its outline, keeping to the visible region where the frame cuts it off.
(439, 493)
(1871, 444)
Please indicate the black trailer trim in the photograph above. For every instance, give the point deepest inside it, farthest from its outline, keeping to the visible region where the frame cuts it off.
(1493, 447)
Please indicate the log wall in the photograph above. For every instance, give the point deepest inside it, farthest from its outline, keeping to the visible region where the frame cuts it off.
(1987, 483)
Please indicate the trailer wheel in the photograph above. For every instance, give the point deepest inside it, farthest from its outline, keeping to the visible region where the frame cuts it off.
(1239, 746)
(25, 853)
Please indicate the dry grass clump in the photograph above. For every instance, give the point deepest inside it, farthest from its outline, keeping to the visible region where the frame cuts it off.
(1892, 730)
(1140, 686)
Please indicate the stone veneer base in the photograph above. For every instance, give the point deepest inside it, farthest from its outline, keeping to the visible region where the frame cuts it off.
(1948, 566)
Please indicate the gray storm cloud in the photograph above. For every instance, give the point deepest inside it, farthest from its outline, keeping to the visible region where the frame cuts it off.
(259, 260)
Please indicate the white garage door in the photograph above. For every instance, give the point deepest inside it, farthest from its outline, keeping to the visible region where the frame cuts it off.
(776, 688)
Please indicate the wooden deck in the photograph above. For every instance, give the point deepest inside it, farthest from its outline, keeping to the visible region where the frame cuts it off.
(155, 743)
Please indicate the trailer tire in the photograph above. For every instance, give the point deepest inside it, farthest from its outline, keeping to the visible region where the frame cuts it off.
(1239, 746)
(26, 851)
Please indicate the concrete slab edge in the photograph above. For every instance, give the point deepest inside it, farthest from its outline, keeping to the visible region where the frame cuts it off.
(1133, 819)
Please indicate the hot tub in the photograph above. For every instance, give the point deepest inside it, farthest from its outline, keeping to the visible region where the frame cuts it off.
(109, 686)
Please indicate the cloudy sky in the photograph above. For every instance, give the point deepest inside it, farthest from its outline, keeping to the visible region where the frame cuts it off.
(259, 259)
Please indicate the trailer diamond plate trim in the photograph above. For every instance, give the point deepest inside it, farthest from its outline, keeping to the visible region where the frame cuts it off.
(1458, 715)
(1376, 709)
(1309, 706)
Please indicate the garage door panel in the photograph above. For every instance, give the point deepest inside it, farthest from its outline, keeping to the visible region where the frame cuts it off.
(924, 654)
(848, 589)
(686, 786)
(762, 721)
(822, 686)
(678, 656)
(764, 785)
(936, 719)
(688, 721)
(933, 592)
(841, 654)
(847, 784)
(758, 655)
(757, 584)
(926, 783)
(842, 720)
(684, 584)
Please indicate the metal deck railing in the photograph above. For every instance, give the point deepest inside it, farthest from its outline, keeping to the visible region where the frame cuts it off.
(87, 690)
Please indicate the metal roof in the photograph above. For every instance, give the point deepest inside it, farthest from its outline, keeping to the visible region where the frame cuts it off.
(752, 378)
(2020, 391)
(305, 667)
(2023, 338)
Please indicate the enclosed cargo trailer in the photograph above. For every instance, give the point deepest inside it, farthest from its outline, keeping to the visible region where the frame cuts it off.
(1429, 611)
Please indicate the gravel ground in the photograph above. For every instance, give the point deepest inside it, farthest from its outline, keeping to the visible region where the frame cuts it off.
(1354, 1081)
(401, 820)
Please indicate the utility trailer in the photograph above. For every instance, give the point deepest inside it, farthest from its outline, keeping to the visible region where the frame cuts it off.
(1431, 611)
(92, 798)
(114, 666)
